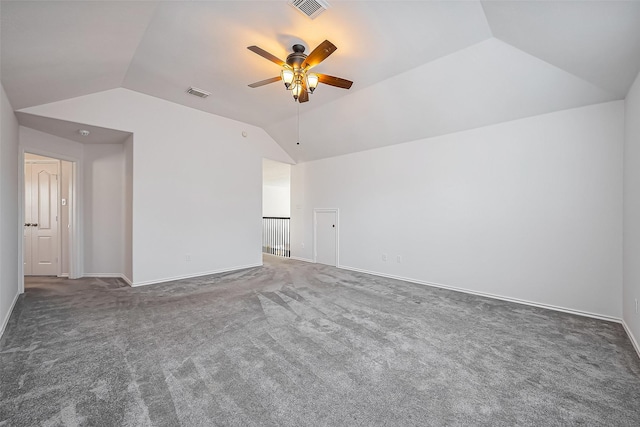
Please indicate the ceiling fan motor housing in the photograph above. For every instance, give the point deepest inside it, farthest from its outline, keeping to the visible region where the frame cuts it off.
(297, 58)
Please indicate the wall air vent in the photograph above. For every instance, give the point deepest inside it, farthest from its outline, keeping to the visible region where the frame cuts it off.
(198, 92)
(311, 8)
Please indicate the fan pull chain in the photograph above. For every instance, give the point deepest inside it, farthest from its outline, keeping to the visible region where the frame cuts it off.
(298, 143)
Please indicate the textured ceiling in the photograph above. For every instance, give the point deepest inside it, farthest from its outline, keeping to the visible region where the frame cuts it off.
(421, 68)
(70, 130)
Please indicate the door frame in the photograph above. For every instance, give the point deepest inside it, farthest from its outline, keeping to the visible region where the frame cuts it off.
(58, 164)
(75, 210)
(316, 211)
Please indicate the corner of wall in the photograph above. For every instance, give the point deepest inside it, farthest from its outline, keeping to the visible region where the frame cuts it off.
(631, 215)
(9, 225)
(7, 316)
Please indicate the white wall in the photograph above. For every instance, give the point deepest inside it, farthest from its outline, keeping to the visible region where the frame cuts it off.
(276, 184)
(49, 145)
(529, 209)
(66, 176)
(276, 201)
(631, 290)
(9, 264)
(104, 194)
(128, 209)
(196, 182)
(102, 183)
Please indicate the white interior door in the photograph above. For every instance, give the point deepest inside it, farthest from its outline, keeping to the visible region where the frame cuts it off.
(41, 219)
(326, 237)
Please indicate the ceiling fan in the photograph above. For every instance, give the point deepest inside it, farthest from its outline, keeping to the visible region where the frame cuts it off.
(295, 71)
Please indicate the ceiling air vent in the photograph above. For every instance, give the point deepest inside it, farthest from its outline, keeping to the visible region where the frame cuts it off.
(198, 92)
(311, 8)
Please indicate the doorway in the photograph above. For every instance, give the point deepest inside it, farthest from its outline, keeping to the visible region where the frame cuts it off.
(276, 208)
(48, 185)
(325, 236)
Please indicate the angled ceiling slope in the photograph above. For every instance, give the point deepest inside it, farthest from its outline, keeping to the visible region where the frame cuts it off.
(70, 130)
(598, 41)
(59, 50)
(488, 83)
(211, 53)
(405, 58)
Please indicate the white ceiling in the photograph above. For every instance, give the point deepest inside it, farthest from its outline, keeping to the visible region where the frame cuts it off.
(70, 130)
(421, 68)
(597, 41)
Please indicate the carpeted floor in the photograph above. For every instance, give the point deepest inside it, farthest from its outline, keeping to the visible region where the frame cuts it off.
(297, 344)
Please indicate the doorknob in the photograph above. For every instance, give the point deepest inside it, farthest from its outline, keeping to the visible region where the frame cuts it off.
(26, 224)
(34, 225)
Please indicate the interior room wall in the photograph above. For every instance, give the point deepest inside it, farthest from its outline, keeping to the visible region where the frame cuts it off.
(104, 209)
(631, 289)
(276, 201)
(49, 145)
(128, 210)
(197, 182)
(528, 210)
(102, 184)
(276, 189)
(9, 263)
(66, 176)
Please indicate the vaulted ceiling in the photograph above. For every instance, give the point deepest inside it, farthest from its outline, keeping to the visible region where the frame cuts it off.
(420, 68)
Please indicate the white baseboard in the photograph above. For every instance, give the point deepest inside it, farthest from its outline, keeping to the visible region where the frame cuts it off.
(105, 275)
(627, 329)
(109, 276)
(488, 295)
(302, 259)
(126, 279)
(63, 275)
(190, 276)
(5, 321)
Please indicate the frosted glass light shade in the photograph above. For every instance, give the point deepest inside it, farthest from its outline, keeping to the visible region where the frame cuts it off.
(312, 81)
(296, 90)
(287, 77)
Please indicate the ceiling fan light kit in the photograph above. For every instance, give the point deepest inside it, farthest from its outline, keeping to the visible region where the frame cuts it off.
(295, 72)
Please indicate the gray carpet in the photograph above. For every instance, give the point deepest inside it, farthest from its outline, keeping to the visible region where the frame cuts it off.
(296, 344)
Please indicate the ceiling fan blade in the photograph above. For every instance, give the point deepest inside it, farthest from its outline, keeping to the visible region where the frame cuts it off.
(304, 95)
(265, 82)
(334, 81)
(319, 54)
(267, 55)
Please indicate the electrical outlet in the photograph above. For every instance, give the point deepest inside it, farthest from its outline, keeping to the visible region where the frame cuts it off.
(399, 259)
(384, 257)
(187, 258)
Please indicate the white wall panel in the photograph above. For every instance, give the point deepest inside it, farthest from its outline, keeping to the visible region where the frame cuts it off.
(197, 182)
(631, 290)
(529, 209)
